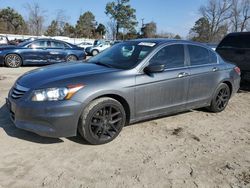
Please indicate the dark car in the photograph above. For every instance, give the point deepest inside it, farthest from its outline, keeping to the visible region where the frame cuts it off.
(130, 82)
(235, 48)
(40, 51)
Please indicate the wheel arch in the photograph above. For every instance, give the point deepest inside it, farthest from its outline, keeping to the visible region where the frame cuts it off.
(230, 85)
(121, 100)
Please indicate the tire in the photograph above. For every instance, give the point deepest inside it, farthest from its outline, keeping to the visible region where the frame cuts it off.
(99, 125)
(94, 52)
(71, 58)
(13, 60)
(220, 99)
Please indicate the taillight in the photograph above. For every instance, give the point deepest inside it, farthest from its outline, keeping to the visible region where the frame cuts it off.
(237, 70)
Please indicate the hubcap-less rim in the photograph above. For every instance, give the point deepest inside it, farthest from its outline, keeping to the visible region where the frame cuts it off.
(106, 122)
(222, 98)
(95, 52)
(13, 60)
(71, 58)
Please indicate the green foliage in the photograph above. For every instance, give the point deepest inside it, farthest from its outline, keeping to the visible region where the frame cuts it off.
(149, 30)
(85, 26)
(123, 15)
(200, 31)
(53, 29)
(11, 21)
(100, 30)
(68, 30)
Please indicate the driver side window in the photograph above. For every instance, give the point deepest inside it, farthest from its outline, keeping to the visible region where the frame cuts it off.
(171, 56)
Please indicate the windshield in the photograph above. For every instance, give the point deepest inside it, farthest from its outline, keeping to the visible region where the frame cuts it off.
(124, 55)
(23, 43)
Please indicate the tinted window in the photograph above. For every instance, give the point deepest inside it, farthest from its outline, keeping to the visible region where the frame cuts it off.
(198, 55)
(38, 44)
(171, 56)
(240, 41)
(213, 57)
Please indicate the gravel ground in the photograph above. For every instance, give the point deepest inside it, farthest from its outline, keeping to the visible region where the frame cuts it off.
(191, 149)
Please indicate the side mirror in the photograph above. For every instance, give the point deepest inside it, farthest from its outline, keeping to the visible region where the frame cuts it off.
(154, 68)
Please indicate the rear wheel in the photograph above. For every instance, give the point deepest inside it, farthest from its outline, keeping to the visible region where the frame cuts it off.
(221, 98)
(13, 60)
(71, 58)
(102, 121)
(94, 52)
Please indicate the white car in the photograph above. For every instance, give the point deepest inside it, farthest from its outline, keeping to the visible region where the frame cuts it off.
(99, 46)
(85, 44)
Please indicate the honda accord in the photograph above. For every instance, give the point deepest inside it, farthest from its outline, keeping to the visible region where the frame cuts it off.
(130, 82)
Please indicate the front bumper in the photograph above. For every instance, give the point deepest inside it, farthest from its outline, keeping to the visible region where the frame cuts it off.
(51, 119)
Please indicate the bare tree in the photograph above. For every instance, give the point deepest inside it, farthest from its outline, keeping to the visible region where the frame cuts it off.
(240, 15)
(217, 12)
(36, 18)
(61, 19)
(111, 29)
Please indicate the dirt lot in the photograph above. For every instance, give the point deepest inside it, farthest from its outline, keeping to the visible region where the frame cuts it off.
(192, 149)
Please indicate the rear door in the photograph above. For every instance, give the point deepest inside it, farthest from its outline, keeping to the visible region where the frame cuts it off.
(56, 52)
(204, 75)
(165, 91)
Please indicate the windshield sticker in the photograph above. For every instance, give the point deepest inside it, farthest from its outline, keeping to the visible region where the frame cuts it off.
(150, 44)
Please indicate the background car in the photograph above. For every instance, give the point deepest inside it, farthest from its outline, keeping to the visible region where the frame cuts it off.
(99, 45)
(85, 44)
(235, 48)
(130, 82)
(40, 51)
(4, 40)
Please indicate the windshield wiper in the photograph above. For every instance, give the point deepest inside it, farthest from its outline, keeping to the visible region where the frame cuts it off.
(103, 64)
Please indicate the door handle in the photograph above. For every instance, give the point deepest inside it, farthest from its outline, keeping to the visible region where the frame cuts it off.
(182, 74)
(215, 69)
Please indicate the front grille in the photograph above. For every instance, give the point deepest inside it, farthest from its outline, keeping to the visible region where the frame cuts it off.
(18, 91)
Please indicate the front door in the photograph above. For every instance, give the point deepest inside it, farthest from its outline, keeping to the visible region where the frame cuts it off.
(35, 53)
(163, 92)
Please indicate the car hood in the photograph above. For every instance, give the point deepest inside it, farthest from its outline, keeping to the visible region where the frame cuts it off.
(60, 72)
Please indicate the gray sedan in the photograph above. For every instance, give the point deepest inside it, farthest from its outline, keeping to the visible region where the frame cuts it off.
(130, 82)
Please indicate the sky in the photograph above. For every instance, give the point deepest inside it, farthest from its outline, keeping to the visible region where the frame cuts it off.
(175, 16)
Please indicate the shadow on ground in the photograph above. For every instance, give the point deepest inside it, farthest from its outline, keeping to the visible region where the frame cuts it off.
(11, 130)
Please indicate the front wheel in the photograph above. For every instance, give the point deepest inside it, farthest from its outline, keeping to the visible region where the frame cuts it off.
(13, 61)
(220, 99)
(102, 121)
(94, 52)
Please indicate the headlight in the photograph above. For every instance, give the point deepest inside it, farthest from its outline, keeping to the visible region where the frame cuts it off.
(55, 94)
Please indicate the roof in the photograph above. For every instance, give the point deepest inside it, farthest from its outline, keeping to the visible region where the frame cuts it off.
(159, 41)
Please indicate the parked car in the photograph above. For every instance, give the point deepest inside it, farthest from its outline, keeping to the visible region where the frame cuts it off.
(118, 87)
(4, 40)
(99, 46)
(85, 45)
(40, 51)
(212, 45)
(235, 48)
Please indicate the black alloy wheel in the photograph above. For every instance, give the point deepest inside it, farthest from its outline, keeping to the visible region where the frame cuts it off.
(221, 98)
(102, 121)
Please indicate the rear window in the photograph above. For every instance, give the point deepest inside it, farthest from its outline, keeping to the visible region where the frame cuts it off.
(239, 41)
(198, 55)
